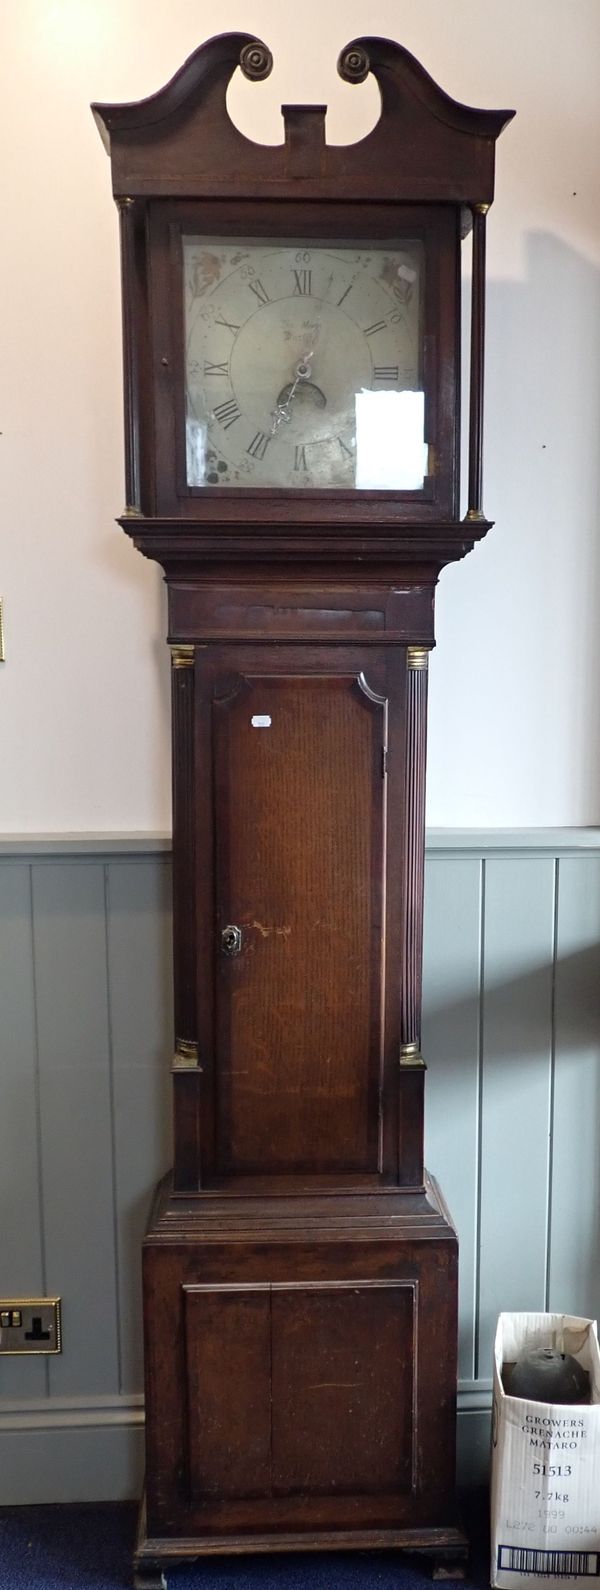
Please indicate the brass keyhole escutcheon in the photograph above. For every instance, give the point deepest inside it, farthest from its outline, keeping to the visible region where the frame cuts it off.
(231, 940)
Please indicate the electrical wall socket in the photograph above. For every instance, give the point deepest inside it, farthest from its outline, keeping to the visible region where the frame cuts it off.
(30, 1325)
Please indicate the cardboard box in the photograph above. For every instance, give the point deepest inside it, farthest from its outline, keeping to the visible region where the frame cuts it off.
(545, 1464)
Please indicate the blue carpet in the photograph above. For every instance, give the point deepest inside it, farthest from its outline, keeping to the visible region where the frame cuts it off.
(70, 1548)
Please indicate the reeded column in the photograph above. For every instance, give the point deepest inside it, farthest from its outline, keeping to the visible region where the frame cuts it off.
(126, 209)
(412, 1064)
(186, 1067)
(475, 505)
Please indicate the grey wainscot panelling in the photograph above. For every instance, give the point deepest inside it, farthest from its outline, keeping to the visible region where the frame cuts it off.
(511, 1033)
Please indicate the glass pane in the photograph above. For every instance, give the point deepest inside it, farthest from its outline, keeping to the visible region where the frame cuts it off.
(304, 364)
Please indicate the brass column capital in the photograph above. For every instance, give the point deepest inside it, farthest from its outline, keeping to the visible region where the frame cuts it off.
(182, 656)
(417, 657)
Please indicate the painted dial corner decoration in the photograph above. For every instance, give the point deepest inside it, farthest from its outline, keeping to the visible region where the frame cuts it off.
(304, 364)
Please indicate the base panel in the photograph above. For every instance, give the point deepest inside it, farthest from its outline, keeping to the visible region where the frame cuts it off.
(300, 1376)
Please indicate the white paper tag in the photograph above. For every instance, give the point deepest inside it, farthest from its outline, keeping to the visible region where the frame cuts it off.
(391, 451)
(261, 720)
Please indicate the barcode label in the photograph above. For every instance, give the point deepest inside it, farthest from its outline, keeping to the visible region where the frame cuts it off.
(549, 1564)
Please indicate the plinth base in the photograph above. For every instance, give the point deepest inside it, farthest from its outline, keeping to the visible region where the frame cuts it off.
(300, 1376)
(445, 1549)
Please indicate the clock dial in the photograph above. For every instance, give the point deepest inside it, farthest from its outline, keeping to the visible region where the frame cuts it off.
(303, 364)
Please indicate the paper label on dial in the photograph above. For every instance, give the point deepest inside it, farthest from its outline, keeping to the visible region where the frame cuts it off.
(261, 721)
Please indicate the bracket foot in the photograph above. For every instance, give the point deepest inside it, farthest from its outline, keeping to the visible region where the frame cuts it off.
(446, 1562)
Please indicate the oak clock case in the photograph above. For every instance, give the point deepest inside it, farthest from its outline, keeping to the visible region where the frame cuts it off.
(291, 333)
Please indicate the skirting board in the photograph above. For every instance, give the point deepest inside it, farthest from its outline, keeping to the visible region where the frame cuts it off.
(92, 1450)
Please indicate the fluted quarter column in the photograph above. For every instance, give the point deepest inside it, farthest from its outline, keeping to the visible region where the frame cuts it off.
(412, 1064)
(186, 1066)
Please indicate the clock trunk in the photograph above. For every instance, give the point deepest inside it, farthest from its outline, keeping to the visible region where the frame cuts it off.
(299, 797)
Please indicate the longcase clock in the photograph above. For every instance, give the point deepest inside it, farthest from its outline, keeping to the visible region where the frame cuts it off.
(291, 321)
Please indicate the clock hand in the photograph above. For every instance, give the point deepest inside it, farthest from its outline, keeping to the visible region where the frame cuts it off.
(282, 411)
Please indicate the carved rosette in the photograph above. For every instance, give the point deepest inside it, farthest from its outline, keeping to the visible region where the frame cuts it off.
(256, 61)
(417, 658)
(354, 64)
